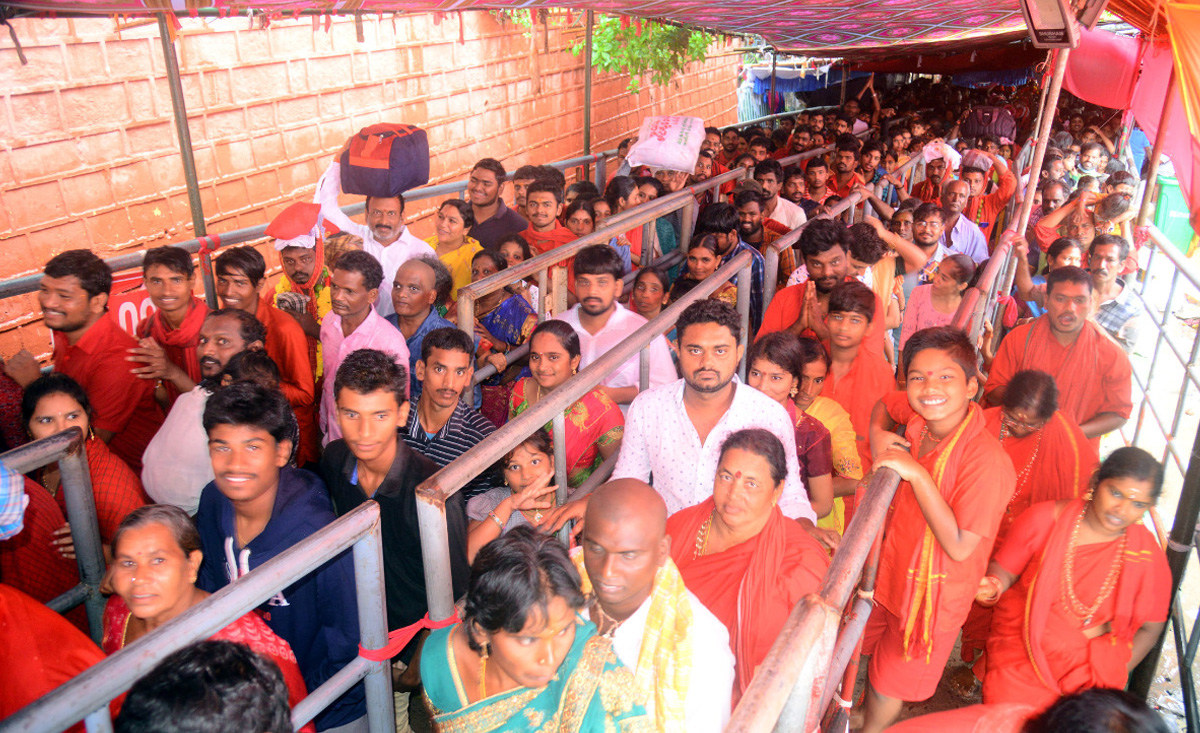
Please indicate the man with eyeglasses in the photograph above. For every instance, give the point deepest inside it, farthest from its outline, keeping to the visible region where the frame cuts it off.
(927, 224)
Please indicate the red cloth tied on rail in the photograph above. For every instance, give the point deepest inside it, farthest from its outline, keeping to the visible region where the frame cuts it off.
(399, 638)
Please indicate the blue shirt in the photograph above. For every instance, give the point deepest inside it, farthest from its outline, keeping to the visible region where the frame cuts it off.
(432, 321)
(757, 270)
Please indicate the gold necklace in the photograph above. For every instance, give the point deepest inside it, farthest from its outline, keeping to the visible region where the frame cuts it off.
(482, 677)
(606, 620)
(702, 537)
(1024, 475)
(1069, 599)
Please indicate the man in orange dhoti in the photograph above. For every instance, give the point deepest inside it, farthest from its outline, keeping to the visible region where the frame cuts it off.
(1052, 459)
(857, 378)
(1087, 589)
(1090, 369)
(956, 483)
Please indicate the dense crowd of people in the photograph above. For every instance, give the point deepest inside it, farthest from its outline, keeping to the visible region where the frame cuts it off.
(218, 439)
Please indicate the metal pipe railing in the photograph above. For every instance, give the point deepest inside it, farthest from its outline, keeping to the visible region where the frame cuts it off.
(68, 449)
(133, 260)
(437, 489)
(791, 239)
(88, 695)
(788, 686)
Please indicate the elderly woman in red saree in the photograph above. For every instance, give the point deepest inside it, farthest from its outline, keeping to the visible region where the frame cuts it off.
(1080, 587)
(156, 554)
(740, 556)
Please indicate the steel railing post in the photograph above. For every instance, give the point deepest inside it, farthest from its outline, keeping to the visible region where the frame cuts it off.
(373, 628)
(85, 530)
(648, 230)
(744, 284)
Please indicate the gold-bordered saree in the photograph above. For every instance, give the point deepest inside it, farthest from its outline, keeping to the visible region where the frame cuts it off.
(592, 693)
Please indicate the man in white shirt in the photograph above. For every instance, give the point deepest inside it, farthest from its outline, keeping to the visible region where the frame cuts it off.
(384, 235)
(769, 175)
(602, 324)
(675, 431)
(686, 670)
(960, 234)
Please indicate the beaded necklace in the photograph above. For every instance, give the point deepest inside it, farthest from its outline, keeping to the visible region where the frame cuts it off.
(1023, 476)
(1069, 599)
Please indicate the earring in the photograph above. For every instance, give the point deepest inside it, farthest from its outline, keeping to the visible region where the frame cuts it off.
(1088, 495)
(485, 649)
(794, 392)
(574, 371)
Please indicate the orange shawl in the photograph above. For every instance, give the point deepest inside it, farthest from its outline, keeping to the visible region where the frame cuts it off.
(752, 586)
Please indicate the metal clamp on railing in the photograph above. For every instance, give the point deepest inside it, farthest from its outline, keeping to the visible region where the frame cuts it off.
(67, 448)
(87, 696)
(437, 489)
(796, 681)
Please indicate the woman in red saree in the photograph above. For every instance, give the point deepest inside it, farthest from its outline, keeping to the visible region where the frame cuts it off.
(1087, 589)
(740, 556)
(156, 556)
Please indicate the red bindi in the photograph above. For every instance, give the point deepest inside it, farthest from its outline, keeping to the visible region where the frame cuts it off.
(929, 374)
(737, 474)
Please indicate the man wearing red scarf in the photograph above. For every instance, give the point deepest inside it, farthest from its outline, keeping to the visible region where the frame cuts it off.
(303, 291)
(167, 339)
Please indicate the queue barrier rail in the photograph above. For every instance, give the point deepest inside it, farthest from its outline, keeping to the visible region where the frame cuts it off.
(68, 449)
(204, 245)
(87, 696)
(803, 670)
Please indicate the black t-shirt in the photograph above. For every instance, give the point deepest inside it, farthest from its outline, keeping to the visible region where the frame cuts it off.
(404, 574)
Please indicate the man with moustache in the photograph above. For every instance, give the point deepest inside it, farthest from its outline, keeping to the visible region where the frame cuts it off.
(730, 140)
(801, 309)
(493, 219)
(420, 284)
(176, 465)
(602, 324)
(303, 291)
(928, 222)
(384, 236)
(675, 431)
(353, 324)
(845, 177)
(167, 337)
(683, 666)
(769, 175)
(91, 348)
(371, 462)
(443, 427)
(721, 220)
(960, 234)
(1118, 310)
(1093, 374)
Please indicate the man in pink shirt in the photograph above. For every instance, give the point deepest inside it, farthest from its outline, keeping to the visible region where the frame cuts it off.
(353, 324)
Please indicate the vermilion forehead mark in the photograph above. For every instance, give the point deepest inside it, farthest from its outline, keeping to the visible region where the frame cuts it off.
(737, 474)
(929, 374)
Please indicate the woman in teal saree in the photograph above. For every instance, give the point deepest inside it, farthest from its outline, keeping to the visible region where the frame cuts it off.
(523, 658)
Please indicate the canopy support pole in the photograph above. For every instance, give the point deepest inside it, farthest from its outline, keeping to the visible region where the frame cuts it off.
(1049, 105)
(1149, 193)
(587, 83)
(771, 96)
(179, 108)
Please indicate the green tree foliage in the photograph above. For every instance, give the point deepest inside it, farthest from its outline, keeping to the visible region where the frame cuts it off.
(645, 47)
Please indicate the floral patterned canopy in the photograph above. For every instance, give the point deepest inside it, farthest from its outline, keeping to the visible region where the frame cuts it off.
(855, 28)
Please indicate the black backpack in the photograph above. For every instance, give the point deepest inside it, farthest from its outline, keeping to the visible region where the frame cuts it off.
(995, 121)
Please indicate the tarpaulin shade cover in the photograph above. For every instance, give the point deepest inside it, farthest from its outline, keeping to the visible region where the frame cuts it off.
(825, 27)
(1104, 68)
(1185, 43)
(1018, 55)
(796, 82)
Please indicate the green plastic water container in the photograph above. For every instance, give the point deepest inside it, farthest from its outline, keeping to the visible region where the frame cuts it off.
(1171, 214)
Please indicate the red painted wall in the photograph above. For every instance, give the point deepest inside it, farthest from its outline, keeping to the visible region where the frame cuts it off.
(89, 155)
